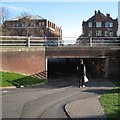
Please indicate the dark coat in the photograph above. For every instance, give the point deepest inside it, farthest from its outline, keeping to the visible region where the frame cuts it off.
(81, 70)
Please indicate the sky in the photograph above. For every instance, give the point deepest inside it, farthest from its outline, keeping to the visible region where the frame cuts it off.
(67, 15)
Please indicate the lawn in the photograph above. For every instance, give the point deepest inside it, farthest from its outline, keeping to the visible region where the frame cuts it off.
(110, 102)
(14, 79)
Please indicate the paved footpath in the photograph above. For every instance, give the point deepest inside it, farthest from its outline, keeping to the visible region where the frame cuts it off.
(90, 107)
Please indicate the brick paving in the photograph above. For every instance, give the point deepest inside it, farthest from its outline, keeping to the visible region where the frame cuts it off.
(89, 108)
(86, 108)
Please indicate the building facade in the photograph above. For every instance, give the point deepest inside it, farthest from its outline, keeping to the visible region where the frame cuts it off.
(35, 26)
(100, 25)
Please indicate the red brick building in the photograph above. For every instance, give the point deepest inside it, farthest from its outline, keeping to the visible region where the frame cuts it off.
(100, 25)
(35, 26)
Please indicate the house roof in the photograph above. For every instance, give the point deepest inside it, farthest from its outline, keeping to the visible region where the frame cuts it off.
(36, 17)
(33, 17)
(99, 16)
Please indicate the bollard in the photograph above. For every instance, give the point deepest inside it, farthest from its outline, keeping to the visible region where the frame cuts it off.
(90, 41)
(28, 42)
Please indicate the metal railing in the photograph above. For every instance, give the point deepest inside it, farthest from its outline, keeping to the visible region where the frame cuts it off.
(55, 41)
(99, 41)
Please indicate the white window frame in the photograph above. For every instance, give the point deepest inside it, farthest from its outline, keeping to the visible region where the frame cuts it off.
(106, 24)
(90, 24)
(98, 33)
(43, 23)
(108, 33)
(40, 23)
(90, 33)
(98, 24)
(109, 24)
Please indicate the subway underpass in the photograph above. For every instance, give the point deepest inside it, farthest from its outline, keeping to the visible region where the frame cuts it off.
(66, 67)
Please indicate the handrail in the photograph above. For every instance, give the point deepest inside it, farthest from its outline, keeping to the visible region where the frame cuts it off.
(42, 41)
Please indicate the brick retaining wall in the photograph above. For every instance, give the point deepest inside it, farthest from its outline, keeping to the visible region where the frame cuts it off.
(23, 60)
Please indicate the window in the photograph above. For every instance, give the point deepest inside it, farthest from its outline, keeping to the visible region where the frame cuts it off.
(98, 33)
(40, 23)
(23, 24)
(32, 24)
(98, 24)
(111, 34)
(111, 24)
(17, 25)
(90, 33)
(108, 33)
(90, 24)
(108, 24)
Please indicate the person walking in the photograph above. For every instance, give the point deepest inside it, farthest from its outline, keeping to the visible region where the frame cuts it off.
(81, 72)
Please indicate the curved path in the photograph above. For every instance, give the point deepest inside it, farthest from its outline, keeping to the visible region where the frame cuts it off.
(48, 101)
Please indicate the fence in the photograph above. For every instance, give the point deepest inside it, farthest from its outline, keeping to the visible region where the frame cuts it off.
(65, 41)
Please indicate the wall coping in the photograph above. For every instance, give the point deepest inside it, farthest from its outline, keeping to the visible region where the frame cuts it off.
(4, 49)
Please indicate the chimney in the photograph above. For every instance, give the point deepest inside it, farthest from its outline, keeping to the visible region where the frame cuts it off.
(83, 22)
(108, 15)
(95, 12)
(98, 11)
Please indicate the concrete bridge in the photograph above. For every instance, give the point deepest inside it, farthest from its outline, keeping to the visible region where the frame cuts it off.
(79, 52)
(34, 60)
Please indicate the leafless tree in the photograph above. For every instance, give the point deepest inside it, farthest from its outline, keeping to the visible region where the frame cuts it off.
(4, 14)
(25, 21)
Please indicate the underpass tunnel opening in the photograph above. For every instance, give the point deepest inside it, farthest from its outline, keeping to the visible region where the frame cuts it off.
(60, 67)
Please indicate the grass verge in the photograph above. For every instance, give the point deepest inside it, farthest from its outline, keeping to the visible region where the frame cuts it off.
(14, 79)
(110, 102)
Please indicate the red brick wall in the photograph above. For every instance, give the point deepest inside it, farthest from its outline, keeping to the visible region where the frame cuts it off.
(23, 60)
(114, 69)
(99, 17)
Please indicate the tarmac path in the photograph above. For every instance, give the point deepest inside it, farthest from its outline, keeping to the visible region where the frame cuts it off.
(46, 101)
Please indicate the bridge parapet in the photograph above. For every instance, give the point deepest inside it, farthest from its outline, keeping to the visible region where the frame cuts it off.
(79, 52)
(63, 42)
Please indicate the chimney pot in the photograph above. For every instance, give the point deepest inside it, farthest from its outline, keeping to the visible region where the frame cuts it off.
(108, 15)
(98, 11)
(95, 12)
